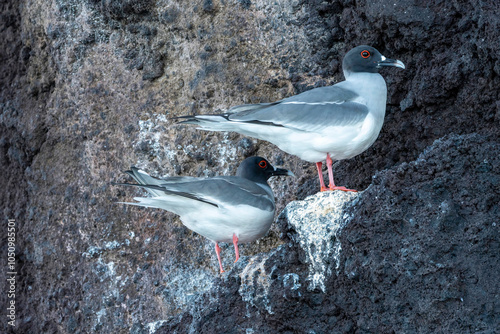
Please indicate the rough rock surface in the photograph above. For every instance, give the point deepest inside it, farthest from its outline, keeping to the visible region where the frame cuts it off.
(418, 252)
(88, 88)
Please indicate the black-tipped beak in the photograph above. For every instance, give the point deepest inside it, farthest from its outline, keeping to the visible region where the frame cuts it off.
(391, 62)
(282, 171)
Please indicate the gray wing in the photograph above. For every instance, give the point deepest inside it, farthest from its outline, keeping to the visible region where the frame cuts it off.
(218, 191)
(310, 111)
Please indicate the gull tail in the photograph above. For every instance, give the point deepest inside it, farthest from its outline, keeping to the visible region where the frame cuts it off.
(144, 179)
(203, 119)
(155, 202)
(221, 122)
(164, 197)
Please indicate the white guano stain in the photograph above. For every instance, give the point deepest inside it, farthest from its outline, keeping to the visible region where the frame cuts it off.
(318, 220)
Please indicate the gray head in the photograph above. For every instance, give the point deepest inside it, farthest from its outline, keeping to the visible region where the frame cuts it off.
(259, 170)
(365, 58)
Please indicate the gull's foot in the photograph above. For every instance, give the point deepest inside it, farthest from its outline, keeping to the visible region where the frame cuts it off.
(342, 188)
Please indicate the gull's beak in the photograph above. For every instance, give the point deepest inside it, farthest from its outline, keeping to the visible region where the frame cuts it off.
(390, 62)
(282, 171)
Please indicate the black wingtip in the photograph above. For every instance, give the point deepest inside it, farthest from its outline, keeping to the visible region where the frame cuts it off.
(184, 118)
(144, 186)
(192, 119)
(122, 184)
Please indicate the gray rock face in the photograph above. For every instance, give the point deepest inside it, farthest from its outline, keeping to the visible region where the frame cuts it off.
(88, 88)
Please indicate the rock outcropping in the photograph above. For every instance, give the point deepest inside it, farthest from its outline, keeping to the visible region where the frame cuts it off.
(413, 253)
(89, 87)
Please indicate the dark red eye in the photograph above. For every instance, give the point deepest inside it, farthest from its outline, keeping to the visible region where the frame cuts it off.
(263, 164)
(365, 54)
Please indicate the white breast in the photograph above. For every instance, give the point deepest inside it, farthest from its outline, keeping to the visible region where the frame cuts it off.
(219, 224)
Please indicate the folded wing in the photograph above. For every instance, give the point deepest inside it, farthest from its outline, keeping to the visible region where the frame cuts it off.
(219, 191)
(314, 110)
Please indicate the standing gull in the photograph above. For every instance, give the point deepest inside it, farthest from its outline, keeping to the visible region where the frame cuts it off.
(335, 122)
(223, 208)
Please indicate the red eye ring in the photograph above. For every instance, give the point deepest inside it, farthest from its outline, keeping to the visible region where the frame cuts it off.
(365, 54)
(263, 164)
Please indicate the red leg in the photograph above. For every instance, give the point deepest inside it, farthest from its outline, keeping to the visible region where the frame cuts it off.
(332, 185)
(217, 250)
(236, 250)
(320, 175)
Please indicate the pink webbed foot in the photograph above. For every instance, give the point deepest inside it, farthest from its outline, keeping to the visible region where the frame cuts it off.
(341, 188)
(332, 185)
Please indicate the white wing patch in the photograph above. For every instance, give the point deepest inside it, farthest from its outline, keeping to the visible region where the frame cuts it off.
(314, 103)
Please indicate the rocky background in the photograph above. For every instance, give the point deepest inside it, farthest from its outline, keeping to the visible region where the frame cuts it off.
(88, 88)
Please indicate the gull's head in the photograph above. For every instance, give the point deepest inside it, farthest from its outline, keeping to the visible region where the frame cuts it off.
(259, 170)
(365, 58)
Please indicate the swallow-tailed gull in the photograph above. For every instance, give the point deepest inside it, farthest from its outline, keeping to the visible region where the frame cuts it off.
(223, 208)
(335, 122)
